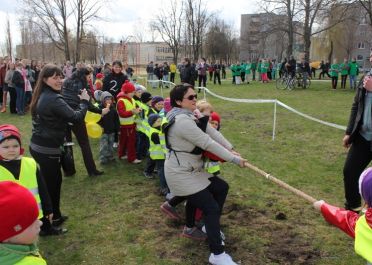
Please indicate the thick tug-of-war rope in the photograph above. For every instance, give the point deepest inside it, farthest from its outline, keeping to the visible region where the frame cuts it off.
(281, 183)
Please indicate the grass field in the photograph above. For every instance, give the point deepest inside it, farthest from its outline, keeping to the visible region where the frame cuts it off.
(115, 218)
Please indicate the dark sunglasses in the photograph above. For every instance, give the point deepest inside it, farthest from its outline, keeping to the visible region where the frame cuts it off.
(191, 97)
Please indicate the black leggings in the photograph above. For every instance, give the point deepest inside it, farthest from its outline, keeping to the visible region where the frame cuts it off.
(343, 81)
(50, 168)
(210, 201)
(357, 160)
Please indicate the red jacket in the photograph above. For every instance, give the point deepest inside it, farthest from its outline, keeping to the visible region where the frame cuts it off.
(123, 113)
(344, 219)
(2, 74)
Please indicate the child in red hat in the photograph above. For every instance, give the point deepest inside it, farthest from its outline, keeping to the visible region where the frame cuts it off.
(19, 227)
(98, 84)
(24, 171)
(127, 110)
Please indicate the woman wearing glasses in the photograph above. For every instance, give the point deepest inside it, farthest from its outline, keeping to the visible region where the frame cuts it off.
(185, 174)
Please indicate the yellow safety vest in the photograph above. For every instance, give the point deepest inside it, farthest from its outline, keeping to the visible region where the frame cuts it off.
(145, 124)
(27, 178)
(363, 239)
(138, 119)
(157, 151)
(31, 260)
(129, 105)
(212, 166)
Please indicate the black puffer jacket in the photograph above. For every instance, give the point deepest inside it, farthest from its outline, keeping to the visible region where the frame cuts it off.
(51, 116)
(113, 82)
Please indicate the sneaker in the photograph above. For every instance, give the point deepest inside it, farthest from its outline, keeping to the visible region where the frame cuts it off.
(136, 161)
(96, 173)
(169, 196)
(221, 259)
(170, 211)
(193, 233)
(204, 230)
(148, 175)
(124, 157)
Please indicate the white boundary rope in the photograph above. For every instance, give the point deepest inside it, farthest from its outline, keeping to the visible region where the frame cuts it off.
(275, 101)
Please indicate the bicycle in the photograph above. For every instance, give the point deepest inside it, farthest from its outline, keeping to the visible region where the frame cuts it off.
(285, 82)
(300, 80)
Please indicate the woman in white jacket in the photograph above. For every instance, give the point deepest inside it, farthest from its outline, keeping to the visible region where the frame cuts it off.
(184, 170)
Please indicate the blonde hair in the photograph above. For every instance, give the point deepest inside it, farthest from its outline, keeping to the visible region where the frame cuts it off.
(202, 105)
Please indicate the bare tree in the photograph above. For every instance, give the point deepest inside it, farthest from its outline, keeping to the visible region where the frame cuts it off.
(84, 11)
(51, 17)
(197, 18)
(168, 24)
(8, 39)
(286, 9)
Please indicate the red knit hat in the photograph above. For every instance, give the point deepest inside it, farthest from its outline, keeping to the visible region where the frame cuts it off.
(99, 76)
(10, 131)
(215, 117)
(18, 209)
(127, 87)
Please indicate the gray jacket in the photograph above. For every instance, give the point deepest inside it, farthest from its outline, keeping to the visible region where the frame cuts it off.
(184, 171)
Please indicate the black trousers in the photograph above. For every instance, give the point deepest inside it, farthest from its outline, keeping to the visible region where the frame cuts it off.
(217, 76)
(50, 168)
(13, 100)
(343, 81)
(172, 75)
(334, 82)
(357, 160)
(203, 80)
(210, 201)
(80, 132)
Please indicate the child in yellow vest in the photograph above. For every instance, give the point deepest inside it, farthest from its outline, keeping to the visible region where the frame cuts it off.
(24, 171)
(157, 150)
(19, 227)
(358, 227)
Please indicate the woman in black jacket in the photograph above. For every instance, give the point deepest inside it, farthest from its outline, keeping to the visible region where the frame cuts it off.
(50, 115)
(113, 82)
(71, 89)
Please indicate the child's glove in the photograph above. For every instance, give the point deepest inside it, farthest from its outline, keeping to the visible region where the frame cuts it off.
(115, 145)
(318, 204)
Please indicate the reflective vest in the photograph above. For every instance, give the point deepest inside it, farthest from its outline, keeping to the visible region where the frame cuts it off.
(138, 119)
(31, 260)
(145, 124)
(212, 166)
(363, 239)
(157, 151)
(27, 178)
(129, 105)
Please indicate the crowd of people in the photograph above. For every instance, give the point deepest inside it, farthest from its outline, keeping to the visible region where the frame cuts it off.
(178, 137)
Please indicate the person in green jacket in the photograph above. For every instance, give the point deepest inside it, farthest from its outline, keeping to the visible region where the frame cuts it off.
(20, 226)
(335, 69)
(243, 65)
(344, 68)
(253, 68)
(259, 69)
(264, 69)
(248, 68)
(353, 73)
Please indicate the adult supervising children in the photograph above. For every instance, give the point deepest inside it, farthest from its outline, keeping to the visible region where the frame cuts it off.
(184, 170)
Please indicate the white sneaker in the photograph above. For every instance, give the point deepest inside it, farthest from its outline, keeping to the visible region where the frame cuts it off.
(221, 259)
(124, 157)
(136, 161)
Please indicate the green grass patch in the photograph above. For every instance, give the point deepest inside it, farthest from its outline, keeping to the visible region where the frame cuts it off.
(115, 218)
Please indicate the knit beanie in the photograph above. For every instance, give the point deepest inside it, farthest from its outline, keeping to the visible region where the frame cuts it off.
(99, 76)
(167, 105)
(18, 209)
(215, 117)
(97, 95)
(127, 87)
(9, 131)
(365, 186)
(105, 95)
(139, 87)
(153, 118)
(155, 100)
(145, 97)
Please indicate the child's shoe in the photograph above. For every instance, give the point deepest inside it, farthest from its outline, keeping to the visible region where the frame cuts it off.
(221, 259)
(170, 211)
(193, 233)
(136, 161)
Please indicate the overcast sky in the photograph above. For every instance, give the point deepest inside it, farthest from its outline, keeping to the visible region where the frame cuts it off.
(124, 17)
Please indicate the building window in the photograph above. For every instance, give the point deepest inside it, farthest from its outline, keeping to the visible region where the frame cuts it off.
(360, 57)
(363, 21)
(361, 45)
